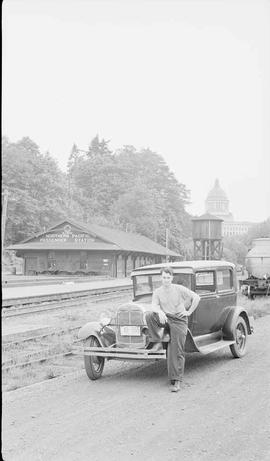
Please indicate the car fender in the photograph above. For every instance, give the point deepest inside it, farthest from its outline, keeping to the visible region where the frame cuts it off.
(231, 319)
(90, 329)
(190, 344)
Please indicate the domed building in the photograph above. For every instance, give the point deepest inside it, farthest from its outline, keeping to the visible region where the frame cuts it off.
(217, 204)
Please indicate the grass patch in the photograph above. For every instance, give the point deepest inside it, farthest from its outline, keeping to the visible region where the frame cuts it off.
(58, 343)
(50, 374)
(258, 307)
(25, 352)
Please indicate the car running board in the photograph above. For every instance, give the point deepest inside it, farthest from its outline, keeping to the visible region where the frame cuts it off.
(208, 348)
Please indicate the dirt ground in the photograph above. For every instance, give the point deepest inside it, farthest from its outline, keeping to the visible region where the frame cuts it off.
(221, 413)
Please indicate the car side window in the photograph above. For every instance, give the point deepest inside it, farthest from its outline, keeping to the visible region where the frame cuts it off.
(224, 280)
(182, 279)
(205, 282)
(142, 285)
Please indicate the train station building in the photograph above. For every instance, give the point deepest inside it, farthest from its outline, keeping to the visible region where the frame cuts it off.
(88, 249)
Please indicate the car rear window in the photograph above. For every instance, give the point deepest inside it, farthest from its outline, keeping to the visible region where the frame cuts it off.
(205, 282)
(224, 280)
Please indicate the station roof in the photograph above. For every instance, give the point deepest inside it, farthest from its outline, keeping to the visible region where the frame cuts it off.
(95, 237)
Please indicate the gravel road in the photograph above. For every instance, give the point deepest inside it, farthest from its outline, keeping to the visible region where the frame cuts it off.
(221, 413)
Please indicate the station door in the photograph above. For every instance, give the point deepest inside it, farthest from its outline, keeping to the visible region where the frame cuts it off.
(30, 265)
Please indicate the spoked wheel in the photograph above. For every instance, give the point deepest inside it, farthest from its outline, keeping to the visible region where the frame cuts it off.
(240, 334)
(93, 364)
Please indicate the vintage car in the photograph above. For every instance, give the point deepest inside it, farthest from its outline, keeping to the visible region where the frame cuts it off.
(217, 322)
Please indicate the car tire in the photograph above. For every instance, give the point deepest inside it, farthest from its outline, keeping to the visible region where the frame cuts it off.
(93, 364)
(240, 334)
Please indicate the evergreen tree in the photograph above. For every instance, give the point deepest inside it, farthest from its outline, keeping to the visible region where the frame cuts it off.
(132, 190)
(37, 189)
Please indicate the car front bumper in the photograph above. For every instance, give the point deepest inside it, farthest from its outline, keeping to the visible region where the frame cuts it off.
(120, 353)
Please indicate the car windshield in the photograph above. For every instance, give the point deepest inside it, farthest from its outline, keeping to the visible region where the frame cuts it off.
(146, 284)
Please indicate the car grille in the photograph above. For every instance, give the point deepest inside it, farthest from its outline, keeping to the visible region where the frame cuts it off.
(130, 316)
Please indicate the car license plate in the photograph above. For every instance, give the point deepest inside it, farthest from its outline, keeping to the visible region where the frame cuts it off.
(130, 330)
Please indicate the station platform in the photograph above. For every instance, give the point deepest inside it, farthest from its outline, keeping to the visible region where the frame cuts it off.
(24, 280)
(17, 292)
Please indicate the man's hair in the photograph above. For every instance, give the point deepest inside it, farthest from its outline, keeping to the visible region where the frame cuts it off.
(167, 270)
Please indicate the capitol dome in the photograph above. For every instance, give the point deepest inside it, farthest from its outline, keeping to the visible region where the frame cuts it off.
(217, 193)
(217, 203)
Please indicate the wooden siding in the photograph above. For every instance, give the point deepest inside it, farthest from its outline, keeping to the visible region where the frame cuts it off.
(39, 262)
(207, 230)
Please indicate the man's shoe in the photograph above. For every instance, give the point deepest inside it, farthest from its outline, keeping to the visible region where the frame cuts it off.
(175, 386)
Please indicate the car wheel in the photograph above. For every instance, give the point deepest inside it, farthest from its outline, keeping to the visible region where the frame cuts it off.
(240, 335)
(93, 364)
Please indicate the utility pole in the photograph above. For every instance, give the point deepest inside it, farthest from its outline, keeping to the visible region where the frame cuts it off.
(4, 217)
(167, 244)
(69, 194)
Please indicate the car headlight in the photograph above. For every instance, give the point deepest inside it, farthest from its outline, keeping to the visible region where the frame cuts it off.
(104, 319)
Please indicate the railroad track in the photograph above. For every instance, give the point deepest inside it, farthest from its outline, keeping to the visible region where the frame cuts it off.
(42, 306)
(65, 295)
(37, 356)
(29, 352)
(16, 342)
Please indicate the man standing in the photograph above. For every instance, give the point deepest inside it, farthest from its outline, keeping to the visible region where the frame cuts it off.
(172, 305)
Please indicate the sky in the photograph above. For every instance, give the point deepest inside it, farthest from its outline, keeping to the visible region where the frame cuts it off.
(188, 79)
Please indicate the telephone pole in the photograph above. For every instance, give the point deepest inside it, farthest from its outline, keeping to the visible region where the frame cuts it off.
(4, 217)
(167, 244)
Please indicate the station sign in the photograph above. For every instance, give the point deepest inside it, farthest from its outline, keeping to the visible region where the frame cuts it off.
(66, 234)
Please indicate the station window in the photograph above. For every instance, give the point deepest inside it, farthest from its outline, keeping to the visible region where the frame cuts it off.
(51, 260)
(83, 260)
(224, 280)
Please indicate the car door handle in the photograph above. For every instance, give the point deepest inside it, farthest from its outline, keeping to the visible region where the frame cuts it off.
(217, 296)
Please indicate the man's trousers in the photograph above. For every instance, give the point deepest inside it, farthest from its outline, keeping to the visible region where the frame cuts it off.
(176, 346)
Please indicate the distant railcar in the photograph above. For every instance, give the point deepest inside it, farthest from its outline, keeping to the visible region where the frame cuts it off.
(258, 267)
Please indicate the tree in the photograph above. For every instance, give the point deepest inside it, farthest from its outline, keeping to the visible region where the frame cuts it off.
(94, 176)
(260, 230)
(135, 211)
(98, 148)
(229, 255)
(37, 189)
(235, 249)
(165, 199)
(132, 189)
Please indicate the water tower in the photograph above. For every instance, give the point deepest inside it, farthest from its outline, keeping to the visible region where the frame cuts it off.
(207, 237)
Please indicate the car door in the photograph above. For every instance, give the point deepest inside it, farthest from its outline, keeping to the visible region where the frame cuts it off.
(205, 316)
(226, 293)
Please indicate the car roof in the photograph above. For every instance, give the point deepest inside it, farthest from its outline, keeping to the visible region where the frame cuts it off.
(191, 265)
